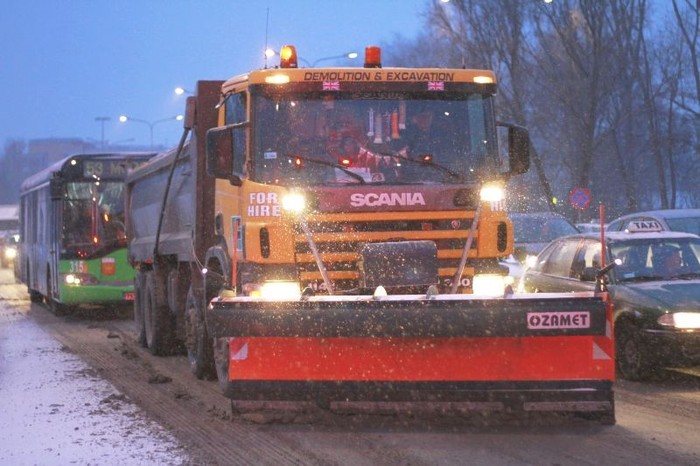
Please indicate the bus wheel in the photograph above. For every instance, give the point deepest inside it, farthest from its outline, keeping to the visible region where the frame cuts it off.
(139, 285)
(35, 296)
(197, 341)
(156, 319)
(55, 307)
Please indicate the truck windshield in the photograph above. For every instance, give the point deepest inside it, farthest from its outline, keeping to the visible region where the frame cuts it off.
(93, 219)
(333, 138)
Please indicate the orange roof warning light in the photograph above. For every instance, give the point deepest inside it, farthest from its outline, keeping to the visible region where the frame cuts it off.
(288, 57)
(373, 57)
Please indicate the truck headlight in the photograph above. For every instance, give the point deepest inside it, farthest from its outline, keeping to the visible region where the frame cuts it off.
(492, 193)
(489, 285)
(280, 291)
(293, 202)
(681, 320)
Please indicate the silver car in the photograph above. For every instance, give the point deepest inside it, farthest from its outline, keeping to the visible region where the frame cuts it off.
(685, 220)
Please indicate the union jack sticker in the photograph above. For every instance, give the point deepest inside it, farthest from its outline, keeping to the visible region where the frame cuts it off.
(436, 85)
(331, 85)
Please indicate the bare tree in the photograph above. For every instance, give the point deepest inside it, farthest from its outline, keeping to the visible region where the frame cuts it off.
(611, 102)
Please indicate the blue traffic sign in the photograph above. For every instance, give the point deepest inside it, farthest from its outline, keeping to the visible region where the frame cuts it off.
(580, 198)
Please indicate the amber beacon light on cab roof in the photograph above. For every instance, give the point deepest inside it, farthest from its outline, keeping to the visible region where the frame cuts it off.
(334, 234)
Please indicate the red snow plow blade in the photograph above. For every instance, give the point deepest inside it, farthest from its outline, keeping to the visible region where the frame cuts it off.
(529, 353)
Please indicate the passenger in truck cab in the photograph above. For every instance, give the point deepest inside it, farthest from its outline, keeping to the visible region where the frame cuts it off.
(350, 154)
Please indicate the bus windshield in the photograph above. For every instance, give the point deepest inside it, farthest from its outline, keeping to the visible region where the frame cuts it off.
(378, 137)
(93, 218)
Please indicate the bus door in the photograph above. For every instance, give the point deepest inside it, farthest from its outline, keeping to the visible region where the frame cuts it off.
(54, 233)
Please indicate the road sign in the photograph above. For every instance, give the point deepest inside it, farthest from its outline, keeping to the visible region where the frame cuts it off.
(580, 198)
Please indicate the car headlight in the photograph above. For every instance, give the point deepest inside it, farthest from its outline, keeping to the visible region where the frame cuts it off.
(489, 285)
(530, 261)
(681, 320)
(10, 253)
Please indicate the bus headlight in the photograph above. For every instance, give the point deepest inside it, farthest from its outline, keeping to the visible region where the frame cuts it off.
(78, 279)
(489, 285)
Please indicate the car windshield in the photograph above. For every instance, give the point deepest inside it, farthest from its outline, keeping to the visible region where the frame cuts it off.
(539, 229)
(379, 137)
(656, 258)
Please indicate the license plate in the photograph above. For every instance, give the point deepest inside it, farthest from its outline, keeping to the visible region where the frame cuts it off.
(129, 296)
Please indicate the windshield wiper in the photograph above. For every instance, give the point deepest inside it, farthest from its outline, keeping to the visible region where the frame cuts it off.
(688, 275)
(642, 278)
(429, 163)
(330, 164)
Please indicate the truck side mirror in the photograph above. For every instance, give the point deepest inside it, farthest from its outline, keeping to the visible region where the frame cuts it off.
(518, 148)
(219, 151)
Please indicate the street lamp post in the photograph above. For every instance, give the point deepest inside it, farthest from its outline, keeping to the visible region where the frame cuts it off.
(269, 53)
(181, 90)
(350, 55)
(102, 120)
(151, 124)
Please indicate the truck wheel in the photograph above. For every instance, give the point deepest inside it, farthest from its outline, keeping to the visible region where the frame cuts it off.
(178, 285)
(632, 361)
(197, 341)
(156, 319)
(139, 286)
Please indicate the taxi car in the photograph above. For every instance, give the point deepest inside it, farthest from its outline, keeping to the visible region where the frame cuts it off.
(655, 290)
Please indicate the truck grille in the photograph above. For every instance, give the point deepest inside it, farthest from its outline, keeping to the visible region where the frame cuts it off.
(340, 237)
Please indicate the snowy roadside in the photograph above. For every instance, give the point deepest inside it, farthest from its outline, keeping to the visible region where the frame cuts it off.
(56, 410)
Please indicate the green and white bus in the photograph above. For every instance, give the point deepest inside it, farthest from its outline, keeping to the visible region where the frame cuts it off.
(72, 238)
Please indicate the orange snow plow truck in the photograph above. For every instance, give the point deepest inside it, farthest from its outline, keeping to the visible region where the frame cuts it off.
(334, 235)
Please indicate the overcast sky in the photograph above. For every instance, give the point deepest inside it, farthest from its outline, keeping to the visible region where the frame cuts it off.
(63, 63)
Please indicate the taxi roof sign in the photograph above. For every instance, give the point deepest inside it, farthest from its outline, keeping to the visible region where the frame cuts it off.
(644, 226)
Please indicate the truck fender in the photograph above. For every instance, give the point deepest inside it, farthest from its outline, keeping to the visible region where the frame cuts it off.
(217, 255)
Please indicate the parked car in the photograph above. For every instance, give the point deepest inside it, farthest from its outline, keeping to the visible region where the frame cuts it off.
(687, 220)
(532, 232)
(655, 291)
(591, 227)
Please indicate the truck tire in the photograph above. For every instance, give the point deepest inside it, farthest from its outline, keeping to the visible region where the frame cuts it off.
(199, 347)
(178, 285)
(139, 294)
(157, 322)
